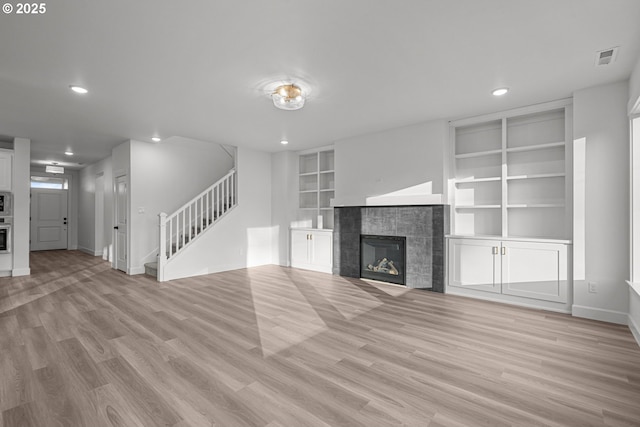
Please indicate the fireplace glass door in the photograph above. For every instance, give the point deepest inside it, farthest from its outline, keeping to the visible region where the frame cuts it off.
(383, 258)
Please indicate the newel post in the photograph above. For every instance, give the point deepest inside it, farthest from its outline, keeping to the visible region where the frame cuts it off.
(162, 255)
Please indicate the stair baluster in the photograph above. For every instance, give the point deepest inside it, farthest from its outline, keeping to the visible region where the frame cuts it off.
(182, 227)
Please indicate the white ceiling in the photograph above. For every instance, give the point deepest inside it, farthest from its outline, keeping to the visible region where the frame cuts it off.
(197, 68)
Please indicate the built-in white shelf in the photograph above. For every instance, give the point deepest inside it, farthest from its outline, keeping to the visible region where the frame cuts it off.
(535, 147)
(316, 186)
(537, 176)
(535, 205)
(479, 207)
(474, 180)
(478, 154)
(510, 173)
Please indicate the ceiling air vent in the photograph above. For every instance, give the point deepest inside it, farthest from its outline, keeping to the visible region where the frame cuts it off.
(607, 56)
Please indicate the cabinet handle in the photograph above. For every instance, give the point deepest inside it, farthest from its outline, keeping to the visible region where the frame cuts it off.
(494, 250)
(504, 250)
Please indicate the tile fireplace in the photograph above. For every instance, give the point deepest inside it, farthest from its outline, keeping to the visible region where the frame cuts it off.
(422, 227)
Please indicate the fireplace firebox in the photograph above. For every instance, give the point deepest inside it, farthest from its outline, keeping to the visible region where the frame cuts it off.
(383, 258)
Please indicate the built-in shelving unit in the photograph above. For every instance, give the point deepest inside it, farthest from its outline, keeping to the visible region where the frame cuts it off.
(511, 174)
(511, 207)
(316, 186)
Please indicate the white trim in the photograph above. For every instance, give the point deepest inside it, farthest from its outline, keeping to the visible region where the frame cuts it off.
(89, 251)
(537, 108)
(509, 299)
(135, 270)
(511, 239)
(601, 314)
(20, 272)
(635, 329)
(634, 285)
(315, 150)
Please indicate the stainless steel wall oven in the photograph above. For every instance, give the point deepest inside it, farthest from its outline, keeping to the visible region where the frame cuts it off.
(5, 235)
(5, 203)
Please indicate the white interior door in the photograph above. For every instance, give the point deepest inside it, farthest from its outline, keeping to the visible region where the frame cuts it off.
(48, 219)
(121, 227)
(99, 246)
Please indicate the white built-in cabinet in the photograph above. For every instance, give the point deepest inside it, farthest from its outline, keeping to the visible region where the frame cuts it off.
(6, 170)
(510, 192)
(316, 187)
(522, 269)
(312, 249)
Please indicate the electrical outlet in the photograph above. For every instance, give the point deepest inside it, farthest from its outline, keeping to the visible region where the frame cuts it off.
(593, 287)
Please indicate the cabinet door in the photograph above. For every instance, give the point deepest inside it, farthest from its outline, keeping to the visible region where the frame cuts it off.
(6, 171)
(300, 248)
(322, 249)
(535, 270)
(474, 264)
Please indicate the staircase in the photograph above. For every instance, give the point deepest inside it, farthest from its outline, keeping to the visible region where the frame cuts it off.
(181, 228)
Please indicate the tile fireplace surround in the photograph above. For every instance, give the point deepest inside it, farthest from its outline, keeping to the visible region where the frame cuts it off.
(424, 227)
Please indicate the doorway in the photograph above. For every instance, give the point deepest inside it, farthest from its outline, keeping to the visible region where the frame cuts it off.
(49, 219)
(121, 227)
(99, 213)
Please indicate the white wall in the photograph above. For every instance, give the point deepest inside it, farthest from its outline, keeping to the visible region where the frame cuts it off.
(241, 239)
(284, 202)
(600, 117)
(87, 230)
(162, 178)
(634, 89)
(634, 295)
(21, 204)
(388, 161)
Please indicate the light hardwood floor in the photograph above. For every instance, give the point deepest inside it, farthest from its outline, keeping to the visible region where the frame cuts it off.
(84, 345)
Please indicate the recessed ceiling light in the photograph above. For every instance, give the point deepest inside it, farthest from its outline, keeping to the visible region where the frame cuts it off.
(500, 91)
(156, 139)
(78, 89)
(69, 153)
(284, 142)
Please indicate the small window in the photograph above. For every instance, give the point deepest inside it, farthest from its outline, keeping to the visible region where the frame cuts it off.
(50, 182)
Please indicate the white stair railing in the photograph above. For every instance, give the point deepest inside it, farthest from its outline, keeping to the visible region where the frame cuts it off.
(186, 224)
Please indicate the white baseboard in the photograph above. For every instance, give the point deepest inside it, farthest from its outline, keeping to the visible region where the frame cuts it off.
(635, 329)
(600, 314)
(89, 251)
(21, 272)
(509, 299)
(136, 270)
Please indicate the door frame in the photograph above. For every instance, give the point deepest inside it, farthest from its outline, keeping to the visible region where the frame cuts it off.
(118, 174)
(99, 235)
(63, 242)
(72, 225)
